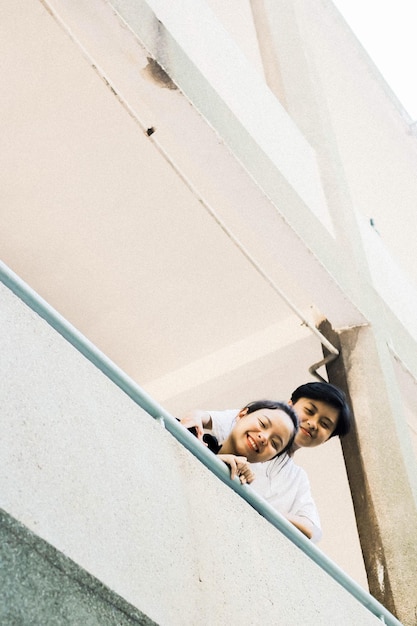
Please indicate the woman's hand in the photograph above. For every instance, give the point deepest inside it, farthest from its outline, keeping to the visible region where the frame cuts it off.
(239, 466)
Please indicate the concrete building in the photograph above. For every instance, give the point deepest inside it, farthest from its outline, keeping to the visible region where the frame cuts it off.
(216, 197)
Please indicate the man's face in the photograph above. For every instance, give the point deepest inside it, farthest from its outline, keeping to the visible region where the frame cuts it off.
(317, 422)
(260, 435)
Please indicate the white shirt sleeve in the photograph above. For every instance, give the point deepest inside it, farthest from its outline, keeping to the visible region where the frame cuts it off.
(304, 506)
(222, 423)
(286, 487)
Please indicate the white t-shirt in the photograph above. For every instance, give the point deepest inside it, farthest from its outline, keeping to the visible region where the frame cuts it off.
(283, 484)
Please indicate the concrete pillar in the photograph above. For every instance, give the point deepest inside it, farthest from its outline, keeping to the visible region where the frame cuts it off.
(379, 460)
(293, 76)
(381, 468)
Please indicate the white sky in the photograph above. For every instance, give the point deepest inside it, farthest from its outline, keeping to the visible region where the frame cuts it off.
(387, 30)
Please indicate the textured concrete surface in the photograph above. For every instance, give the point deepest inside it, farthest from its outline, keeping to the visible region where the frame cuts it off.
(39, 585)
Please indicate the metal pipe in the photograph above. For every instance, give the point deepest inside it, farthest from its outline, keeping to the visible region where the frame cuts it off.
(334, 352)
(140, 397)
(313, 368)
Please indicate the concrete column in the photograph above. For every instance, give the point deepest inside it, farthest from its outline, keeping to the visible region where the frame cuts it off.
(293, 76)
(379, 460)
(381, 468)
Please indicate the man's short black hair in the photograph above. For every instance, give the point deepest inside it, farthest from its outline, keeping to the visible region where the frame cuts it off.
(332, 395)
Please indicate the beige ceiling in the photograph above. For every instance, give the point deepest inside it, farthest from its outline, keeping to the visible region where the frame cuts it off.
(97, 221)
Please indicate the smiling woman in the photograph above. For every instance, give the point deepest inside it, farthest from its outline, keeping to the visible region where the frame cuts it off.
(261, 431)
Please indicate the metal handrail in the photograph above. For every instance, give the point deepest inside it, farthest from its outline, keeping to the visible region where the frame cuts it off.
(140, 397)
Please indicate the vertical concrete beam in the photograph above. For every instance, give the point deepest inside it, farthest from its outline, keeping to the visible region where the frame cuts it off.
(381, 468)
(378, 457)
(292, 74)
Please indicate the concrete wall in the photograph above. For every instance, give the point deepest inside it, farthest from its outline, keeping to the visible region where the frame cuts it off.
(88, 471)
(39, 585)
(376, 141)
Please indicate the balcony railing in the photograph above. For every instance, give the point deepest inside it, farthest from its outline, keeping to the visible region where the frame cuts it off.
(140, 397)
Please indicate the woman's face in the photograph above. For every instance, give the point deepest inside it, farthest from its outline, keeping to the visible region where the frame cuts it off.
(260, 435)
(317, 422)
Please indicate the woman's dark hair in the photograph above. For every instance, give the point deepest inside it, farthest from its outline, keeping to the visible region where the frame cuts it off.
(282, 406)
(326, 392)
